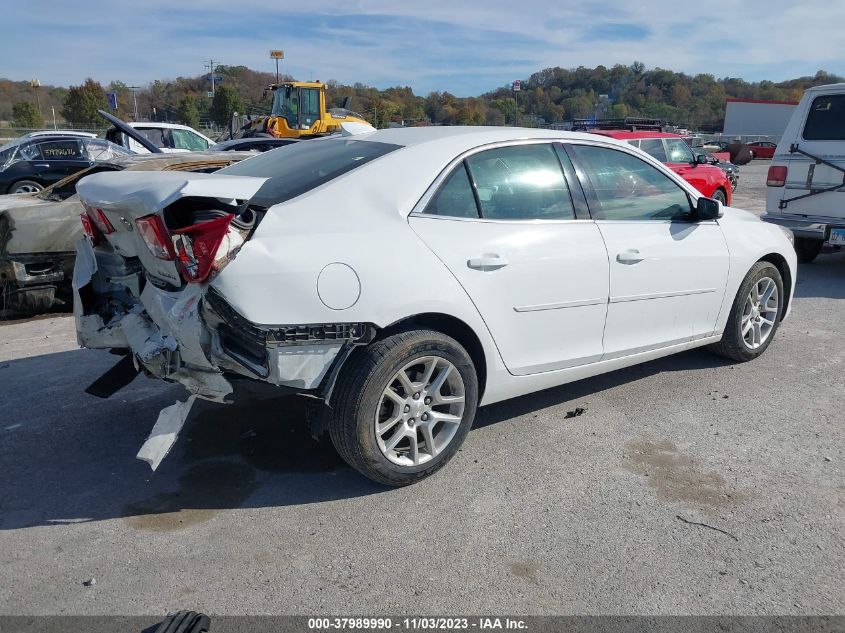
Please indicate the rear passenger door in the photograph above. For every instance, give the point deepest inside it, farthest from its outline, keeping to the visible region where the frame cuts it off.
(520, 242)
(54, 160)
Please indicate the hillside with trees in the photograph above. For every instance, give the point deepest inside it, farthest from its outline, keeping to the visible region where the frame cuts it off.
(548, 97)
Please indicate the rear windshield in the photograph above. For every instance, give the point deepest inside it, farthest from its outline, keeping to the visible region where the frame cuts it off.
(826, 120)
(300, 167)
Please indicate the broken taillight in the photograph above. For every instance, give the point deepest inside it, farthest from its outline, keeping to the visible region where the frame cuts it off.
(776, 176)
(99, 219)
(155, 236)
(90, 229)
(196, 247)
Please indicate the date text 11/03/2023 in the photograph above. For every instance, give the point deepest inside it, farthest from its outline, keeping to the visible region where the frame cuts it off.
(416, 623)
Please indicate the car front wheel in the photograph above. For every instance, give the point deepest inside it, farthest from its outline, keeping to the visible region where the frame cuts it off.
(403, 406)
(755, 314)
(720, 196)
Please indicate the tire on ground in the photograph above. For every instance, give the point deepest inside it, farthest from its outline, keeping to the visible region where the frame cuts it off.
(733, 344)
(358, 394)
(807, 249)
(25, 186)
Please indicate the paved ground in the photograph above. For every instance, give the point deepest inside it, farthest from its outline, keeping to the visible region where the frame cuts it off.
(538, 514)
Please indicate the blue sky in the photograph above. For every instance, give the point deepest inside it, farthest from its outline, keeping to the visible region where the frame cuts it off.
(464, 47)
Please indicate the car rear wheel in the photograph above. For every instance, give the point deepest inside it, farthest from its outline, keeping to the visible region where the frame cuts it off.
(403, 406)
(25, 186)
(755, 314)
(720, 196)
(807, 249)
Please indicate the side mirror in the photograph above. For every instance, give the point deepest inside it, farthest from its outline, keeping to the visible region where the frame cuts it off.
(707, 209)
(701, 159)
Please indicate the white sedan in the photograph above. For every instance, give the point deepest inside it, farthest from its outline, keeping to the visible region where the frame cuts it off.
(404, 277)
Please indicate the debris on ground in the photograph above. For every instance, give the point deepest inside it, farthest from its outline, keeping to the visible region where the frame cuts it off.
(574, 413)
(678, 516)
(90, 582)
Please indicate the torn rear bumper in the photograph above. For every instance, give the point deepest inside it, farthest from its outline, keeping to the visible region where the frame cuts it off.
(192, 336)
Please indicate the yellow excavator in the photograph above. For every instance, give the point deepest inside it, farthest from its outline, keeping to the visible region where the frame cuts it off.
(299, 111)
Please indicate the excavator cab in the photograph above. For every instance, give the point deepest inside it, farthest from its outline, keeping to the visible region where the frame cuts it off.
(298, 105)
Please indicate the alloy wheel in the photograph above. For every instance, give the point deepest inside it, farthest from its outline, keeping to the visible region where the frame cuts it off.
(420, 411)
(760, 312)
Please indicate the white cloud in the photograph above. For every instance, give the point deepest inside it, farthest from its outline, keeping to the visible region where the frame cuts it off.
(439, 44)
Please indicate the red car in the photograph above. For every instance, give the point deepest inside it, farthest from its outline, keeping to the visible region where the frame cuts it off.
(762, 149)
(672, 150)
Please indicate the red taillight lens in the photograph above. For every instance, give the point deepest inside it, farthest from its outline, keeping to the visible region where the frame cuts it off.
(155, 236)
(90, 229)
(99, 219)
(196, 247)
(777, 176)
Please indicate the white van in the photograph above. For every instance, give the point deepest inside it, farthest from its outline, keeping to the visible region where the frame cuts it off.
(806, 180)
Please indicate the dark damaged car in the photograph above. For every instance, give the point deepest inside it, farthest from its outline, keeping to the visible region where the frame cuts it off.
(39, 231)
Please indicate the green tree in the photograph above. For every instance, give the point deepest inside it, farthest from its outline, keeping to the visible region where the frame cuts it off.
(188, 112)
(226, 102)
(82, 103)
(25, 114)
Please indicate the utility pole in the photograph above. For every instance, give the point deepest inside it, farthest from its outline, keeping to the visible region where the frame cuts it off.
(35, 85)
(210, 66)
(134, 100)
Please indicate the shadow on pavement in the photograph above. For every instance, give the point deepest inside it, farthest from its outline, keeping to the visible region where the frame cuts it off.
(824, 277)
(69, 457)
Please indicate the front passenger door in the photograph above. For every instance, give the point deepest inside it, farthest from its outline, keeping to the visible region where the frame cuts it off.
(667, 273)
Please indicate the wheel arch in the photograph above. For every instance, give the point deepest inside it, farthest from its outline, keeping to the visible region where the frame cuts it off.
(451, 326)
(779, 261)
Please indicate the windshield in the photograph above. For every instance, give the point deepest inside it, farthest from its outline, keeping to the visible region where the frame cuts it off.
(678, 151)
(297, 168)
(286, 104)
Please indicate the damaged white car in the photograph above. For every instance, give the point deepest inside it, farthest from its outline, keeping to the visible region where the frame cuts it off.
(404, 277)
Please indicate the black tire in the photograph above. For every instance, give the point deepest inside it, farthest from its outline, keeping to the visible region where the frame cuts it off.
(25, 186)
(720, 196)
(357, 397)
(733, 344)
(807, 249)
(184, 622)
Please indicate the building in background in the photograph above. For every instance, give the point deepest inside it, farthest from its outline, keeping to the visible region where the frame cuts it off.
(747, 117)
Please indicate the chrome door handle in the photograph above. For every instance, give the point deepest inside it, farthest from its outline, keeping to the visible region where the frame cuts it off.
(487, 262)
(42, 165)
(631, 256)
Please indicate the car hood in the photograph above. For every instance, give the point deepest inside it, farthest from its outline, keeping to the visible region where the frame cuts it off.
(30, 225)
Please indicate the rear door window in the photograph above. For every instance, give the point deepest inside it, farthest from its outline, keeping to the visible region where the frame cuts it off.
(160, 137)
(521, 182)
(455, 198)
(826, 119)
(68, 149)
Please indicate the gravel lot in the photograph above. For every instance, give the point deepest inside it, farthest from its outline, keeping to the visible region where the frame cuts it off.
(538, 514)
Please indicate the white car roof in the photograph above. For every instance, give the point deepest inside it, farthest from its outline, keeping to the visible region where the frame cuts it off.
(60, 133)
(169, 126)
(828, 88)
(469, 136)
